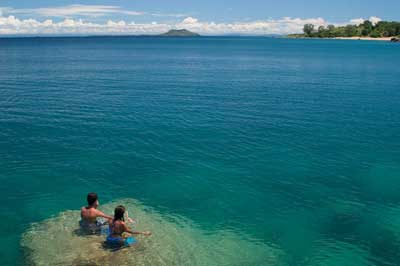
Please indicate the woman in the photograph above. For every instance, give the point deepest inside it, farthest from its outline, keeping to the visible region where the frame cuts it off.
(120, 234)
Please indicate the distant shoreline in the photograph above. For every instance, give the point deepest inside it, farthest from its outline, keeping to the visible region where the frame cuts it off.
(385, 39)
(364, 31)
(388, 39)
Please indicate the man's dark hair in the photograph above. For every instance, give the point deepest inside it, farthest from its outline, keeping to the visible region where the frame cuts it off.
(91, 198)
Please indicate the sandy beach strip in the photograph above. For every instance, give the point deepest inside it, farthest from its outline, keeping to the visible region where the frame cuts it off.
(387, 39)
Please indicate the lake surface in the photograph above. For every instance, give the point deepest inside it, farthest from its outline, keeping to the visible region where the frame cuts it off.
(283, 147)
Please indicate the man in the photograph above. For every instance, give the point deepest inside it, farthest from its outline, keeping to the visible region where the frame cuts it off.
(90, 214)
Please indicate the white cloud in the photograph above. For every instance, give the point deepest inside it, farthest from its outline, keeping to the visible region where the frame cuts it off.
(73, 10)
(374, 20)
(168, 15)
(13, 25)
(358, 21)
(280, 26)
(70, 11)
(190, 20)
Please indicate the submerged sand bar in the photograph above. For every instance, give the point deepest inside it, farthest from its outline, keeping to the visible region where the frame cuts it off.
(175, 241)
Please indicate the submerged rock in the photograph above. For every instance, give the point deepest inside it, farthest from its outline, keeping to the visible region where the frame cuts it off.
(395, 39)
(175, 241)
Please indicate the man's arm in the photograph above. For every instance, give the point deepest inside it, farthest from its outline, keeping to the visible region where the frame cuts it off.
(101, 214)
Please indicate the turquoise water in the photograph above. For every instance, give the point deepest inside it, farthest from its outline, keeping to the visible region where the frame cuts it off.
(285, 147)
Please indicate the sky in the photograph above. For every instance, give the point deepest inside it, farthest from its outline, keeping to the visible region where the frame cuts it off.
(255, 17)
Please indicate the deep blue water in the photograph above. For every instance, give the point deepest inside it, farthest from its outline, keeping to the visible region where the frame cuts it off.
(293, 142)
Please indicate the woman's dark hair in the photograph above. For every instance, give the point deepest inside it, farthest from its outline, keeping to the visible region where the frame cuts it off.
(91, 198)
(119, 213)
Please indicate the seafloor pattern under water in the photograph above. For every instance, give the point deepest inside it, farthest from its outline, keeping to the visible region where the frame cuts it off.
(175, 241)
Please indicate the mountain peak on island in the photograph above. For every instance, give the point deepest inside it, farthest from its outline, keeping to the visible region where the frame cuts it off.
(180, 33)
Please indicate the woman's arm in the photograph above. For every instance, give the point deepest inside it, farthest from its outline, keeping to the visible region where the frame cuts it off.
(145, 233)
(128, 230)
(129, 219)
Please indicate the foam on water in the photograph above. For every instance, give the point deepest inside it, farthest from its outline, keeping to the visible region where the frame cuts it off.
(175, 241)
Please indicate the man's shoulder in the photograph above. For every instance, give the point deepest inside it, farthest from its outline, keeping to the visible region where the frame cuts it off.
(97, 211)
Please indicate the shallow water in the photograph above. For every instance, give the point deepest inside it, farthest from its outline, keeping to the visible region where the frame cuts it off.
(287, 149)
(175, 241)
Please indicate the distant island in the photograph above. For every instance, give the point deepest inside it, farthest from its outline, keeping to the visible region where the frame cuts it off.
(180, 33)
(383, 30)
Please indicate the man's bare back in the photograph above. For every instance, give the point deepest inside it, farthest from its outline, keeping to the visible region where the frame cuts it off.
(89, 214)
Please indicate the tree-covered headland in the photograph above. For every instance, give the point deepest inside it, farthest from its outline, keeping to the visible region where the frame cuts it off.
(365, 29)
